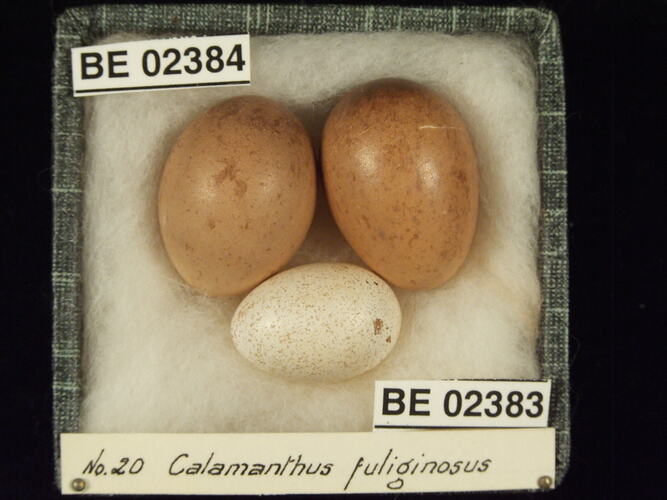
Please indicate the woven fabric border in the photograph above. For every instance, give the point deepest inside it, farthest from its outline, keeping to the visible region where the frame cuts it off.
(83, 25)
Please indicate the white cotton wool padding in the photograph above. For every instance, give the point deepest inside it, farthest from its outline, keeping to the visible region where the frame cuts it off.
(158, 357)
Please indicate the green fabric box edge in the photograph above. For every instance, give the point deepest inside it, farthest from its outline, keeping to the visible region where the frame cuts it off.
(82, 25)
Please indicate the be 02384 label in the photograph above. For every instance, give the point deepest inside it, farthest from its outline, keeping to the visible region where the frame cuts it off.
(405, 404)
(161, 64)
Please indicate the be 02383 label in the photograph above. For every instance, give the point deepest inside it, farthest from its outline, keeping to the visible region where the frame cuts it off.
(406, 404)
(161, 64)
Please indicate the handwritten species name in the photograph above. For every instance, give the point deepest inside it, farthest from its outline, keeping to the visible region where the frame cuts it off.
(392, 467)
(397, 468)
(291, 466)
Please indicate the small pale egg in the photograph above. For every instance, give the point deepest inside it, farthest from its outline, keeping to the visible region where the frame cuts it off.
(318, 322)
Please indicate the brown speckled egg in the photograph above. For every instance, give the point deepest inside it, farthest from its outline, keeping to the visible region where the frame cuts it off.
(401, 177)
(237, 195)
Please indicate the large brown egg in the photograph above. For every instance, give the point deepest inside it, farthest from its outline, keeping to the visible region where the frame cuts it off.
(401, 177)
(237, 195)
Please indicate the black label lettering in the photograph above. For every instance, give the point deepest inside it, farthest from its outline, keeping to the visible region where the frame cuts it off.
(91, 61)
(414, 401)
(116, 63)
(393, 397)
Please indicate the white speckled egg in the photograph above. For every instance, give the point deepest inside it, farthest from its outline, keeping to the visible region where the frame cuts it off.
(318, 322)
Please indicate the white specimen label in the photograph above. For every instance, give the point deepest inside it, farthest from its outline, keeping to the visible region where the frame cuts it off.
(161, 64)
(407, 404)
(307, 463)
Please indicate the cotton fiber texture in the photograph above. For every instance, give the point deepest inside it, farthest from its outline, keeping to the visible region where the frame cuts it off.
(158, 357)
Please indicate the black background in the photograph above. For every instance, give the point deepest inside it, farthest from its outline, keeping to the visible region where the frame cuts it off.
(615, 59)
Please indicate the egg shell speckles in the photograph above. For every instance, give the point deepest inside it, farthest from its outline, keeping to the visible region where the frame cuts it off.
(237, 195)
(318, 322)
(402, 182)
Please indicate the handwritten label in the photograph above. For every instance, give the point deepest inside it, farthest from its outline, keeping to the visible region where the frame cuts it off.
(161, 64)
(392, 461)
(406, 404)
